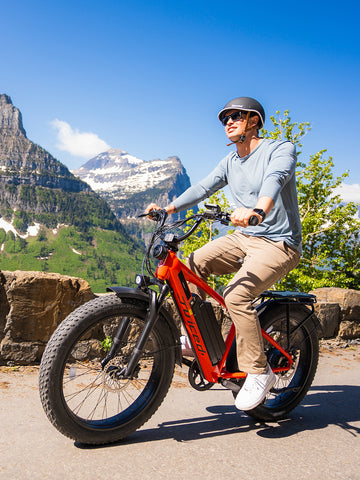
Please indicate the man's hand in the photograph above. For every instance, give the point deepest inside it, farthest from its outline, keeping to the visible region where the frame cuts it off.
(153, 206)
(240, 217)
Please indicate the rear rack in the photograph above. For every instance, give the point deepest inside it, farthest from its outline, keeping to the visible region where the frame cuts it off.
(286, 296)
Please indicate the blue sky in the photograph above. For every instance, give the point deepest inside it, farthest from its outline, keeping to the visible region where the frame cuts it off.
(149, 77)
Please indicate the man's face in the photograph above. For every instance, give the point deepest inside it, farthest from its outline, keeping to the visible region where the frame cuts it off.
(235, 128)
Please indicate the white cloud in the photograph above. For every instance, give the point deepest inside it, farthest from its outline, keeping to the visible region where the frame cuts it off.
(79, 144)
(349, 193)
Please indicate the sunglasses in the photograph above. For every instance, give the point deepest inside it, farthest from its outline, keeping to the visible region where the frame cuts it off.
(235, 117)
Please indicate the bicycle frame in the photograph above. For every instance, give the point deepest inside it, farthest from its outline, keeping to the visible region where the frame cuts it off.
(120, 388)
(177, 275)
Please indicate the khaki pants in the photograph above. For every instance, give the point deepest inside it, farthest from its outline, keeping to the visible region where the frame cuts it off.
(259, 264)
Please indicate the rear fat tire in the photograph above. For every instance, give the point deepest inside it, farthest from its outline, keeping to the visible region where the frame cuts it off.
(90, 404)
(297, 381)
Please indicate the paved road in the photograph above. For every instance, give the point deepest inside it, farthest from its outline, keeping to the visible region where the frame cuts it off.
(195, 435)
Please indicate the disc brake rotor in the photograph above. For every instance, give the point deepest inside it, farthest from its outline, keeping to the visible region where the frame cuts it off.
(111, 378)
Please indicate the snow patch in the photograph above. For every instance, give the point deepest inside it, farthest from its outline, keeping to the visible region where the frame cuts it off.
(8, 227)
(32, 230)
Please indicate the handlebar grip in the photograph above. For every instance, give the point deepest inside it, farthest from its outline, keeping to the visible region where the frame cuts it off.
(253, 221)
(154, 214)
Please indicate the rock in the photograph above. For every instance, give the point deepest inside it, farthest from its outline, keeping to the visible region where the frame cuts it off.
(32, 306)
(10, 118)
(329, 318)
(20, 353)
(349, 330)
(349, 305)
(349, 301)
(4, 306)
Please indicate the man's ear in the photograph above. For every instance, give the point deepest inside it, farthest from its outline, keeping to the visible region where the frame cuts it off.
(254, 121)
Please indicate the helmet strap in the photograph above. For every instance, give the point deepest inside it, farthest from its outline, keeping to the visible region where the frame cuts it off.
(242, 136)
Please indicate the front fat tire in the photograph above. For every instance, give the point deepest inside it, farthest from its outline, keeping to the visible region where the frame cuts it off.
(92, 405)
(296, 382)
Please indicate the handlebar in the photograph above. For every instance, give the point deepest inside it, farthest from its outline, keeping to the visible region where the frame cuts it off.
(253, 221)
(155, 214)
(165, 231)
(213, 212)
(224, 217)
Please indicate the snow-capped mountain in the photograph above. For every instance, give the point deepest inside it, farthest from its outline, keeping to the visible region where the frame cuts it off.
(129, 183)
(35, 188)
(74, 231)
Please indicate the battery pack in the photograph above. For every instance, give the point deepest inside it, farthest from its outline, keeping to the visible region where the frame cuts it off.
(209, 328)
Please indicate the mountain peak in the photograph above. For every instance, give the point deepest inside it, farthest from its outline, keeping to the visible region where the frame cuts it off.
(112, 158)
(10, 118)
(22, 162)
(129, 184)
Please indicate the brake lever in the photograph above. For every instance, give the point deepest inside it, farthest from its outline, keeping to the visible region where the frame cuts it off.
(211, 206)
(224, 221)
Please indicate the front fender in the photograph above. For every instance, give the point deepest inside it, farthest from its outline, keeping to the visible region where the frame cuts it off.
(127, 292)
(137, 294)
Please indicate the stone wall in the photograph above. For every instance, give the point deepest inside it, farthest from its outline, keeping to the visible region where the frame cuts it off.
(338, 310)
(32, 304)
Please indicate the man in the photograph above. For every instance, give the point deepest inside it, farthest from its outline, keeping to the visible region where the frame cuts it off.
(261, 177)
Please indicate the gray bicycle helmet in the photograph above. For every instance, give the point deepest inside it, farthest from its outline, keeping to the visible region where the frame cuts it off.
(247, 104)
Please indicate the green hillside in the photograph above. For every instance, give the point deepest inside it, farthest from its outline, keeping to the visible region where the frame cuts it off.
(25, 204)
(101, 257)
(79, 234)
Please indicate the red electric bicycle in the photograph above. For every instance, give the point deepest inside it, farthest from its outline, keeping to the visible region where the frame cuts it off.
(110, 363)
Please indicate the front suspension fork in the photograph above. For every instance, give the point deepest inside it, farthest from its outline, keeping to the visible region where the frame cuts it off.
(155, 302)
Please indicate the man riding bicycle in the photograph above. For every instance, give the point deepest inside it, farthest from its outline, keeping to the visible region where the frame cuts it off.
(261, 177)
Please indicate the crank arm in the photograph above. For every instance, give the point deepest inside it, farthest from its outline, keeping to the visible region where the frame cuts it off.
(230, 385)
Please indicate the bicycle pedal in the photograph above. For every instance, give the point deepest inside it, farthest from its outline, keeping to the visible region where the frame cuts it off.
(230, 385)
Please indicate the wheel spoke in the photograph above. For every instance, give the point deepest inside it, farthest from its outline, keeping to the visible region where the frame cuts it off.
(292, 385)
(97, 394)
(95, 404)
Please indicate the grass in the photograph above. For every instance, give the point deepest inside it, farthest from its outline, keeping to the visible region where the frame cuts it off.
(102, 257)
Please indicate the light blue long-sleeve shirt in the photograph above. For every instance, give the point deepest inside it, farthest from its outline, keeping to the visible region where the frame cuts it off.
(269, 171)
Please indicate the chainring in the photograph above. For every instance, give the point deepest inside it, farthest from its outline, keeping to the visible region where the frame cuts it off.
(196, 379)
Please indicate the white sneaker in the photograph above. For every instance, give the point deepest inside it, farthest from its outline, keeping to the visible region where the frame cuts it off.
(255, 389)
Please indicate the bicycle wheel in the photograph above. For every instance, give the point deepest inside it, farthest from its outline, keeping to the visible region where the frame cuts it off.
(94, 405)
(291, 386)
